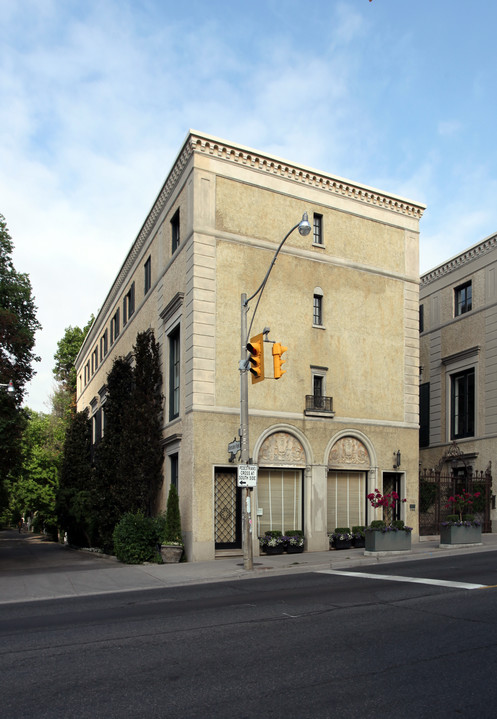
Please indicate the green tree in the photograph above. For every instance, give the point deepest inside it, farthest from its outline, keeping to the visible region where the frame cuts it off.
(76, 499)
(111, 455)
(33, 489)
(142, 452)
(65, 370)
(18, 326)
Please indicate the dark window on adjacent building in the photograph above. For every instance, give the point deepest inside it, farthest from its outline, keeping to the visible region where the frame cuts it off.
(173, 466)
(421, 318)
(175, 237)
(114, 327)
(424, 414)
(174, 360)
(147, 268)
(463, 299)
(318, 229)
(462, 405)
(318, 310)
(87, 372)
(129, 304)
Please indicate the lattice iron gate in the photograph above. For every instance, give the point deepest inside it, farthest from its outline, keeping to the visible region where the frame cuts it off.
(435, 489)
(227, 511)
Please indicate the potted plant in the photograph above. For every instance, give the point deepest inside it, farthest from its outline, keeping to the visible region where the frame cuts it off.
(272, 542)
(294, 543)
(341, 538)
(460, 528)
(171, 539)
(358, 536)
(386, 536)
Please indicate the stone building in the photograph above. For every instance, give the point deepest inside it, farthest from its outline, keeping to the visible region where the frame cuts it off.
(343, 419)
(458, 358)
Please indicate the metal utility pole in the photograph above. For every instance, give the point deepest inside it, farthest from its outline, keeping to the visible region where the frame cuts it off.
(247, 539)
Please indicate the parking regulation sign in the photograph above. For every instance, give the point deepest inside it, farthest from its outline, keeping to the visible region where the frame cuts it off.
(247, 475)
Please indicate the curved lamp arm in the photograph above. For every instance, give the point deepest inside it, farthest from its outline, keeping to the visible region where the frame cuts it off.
(304, 229)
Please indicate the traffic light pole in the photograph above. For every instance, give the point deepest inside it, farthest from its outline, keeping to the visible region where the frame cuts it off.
(247, 538)
(248, 552)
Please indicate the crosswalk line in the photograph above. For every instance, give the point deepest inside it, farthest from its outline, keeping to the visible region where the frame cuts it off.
(413, 580)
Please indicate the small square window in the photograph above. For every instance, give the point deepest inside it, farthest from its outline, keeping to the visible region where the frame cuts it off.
(318, 229)
(463, 299)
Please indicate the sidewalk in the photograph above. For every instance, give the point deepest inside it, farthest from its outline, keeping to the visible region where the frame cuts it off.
(32, 568)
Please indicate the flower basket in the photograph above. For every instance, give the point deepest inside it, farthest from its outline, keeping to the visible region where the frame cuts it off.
(277, 549)
(460, 534)
(341, 538)
(294, 542)
(272, 542)
(358, 537)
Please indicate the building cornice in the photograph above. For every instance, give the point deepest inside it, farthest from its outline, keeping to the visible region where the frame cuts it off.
(473, 253)
(303, 175)
(197, 142)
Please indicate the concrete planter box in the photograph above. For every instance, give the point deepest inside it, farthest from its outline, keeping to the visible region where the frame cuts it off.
(378, 541)
(451, 535)
(171, 553)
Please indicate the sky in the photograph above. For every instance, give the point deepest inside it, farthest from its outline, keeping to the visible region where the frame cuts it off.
(97, 97)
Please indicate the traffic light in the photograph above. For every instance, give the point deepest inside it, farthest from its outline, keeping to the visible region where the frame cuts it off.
(278, 361)
(256, 359)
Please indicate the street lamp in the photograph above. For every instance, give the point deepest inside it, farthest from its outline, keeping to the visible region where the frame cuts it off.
(9, 388)
(304, 228)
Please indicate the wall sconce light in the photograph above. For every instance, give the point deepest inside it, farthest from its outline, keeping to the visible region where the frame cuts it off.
(396, 459)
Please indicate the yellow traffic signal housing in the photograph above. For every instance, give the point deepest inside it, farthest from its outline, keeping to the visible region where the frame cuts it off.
(256, 349)
(278, 360)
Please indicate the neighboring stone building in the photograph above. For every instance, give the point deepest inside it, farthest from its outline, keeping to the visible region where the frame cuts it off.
(458, 373)
(344, 300)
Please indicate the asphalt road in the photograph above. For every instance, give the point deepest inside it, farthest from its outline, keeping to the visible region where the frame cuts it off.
(307, 646)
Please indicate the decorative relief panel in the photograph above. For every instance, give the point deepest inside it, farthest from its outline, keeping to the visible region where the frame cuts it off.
(348, 452)
(281, 448)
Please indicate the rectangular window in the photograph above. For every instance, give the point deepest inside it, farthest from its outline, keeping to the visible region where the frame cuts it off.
(463, 299)
(175, 237)
(318, 229)
(129, 304)
(462, 409)
(147, 268)
(346, 499)
(280, 496)
(104, 344)
(173, 467)
(424, 414)
(87, 372)
(318, 310)
(94, 360)
(174, 367)
(114, 327)
(421, 318)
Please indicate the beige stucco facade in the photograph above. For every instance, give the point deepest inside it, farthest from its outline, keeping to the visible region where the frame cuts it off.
(459, 344)
(235, 206)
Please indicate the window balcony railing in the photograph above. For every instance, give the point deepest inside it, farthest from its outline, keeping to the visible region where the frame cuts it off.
(318, 404)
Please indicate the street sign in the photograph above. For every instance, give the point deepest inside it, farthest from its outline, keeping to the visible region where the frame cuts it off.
(247, 475)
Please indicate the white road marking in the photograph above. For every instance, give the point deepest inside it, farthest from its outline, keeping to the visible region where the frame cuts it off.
(414, 580)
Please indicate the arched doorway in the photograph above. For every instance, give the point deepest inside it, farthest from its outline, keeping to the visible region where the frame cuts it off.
(280, 485)
(349, 464)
